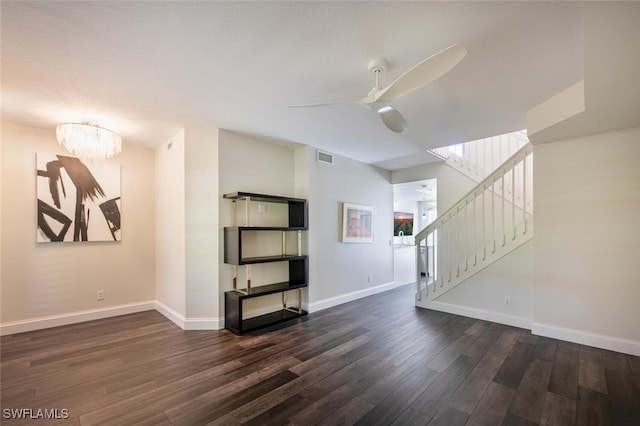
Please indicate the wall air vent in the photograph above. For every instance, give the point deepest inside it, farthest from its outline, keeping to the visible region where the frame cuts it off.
(324, 157)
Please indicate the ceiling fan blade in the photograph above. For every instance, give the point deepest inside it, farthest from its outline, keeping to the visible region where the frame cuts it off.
(424, 72)
(392, 119)
(318, 105)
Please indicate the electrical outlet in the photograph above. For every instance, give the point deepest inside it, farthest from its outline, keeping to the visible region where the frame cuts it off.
(100, 295)
(370, 279)
(507, 300)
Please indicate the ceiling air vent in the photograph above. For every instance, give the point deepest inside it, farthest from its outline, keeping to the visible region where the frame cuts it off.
(324, 157)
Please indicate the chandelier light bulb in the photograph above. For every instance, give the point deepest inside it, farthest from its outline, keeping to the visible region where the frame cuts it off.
(88, 141)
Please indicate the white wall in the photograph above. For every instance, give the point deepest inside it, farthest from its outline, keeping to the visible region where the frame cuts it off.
(580, 271)
(452, 185)
(339, 271)
(167, 256)
(170, 229)
(483, 295)
(1, 225)
(248, 164)
(202, 233)
(586, 281)
(404, 258)
(48, 280)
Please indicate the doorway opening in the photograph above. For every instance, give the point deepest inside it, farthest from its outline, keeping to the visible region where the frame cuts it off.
(415, 205)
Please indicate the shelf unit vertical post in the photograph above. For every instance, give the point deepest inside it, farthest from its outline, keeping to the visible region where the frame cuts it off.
(248, 269)
(234, 212)
(284, 243)
(247, 211)
(234, 271)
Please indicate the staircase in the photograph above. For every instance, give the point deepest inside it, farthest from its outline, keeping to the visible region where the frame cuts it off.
(493, 219)
(477, 159)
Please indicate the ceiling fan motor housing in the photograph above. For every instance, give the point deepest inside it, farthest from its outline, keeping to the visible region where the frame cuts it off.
(378, 65)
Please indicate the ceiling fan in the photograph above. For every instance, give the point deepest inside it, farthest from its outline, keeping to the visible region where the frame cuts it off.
(379, 99)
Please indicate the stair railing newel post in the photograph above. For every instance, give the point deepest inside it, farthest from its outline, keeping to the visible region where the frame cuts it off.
(466, 235)
(513, 198)
(484, 222)
(503, 227)
(524, 191)
(418, 273)
(448, 248)
(493, 213)
(456, 246)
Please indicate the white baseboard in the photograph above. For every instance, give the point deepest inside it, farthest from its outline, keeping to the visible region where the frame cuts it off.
(349, 297)
(173, 316)
(481, 314)
(73, 318)
(616, 344)
(112, 311)
(204, 324)
(611, 343)
(189, 323)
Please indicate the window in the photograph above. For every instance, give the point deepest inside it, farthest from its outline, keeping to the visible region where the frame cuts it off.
(457, 149)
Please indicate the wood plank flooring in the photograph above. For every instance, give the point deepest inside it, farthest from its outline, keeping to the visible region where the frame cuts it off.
(375, 361)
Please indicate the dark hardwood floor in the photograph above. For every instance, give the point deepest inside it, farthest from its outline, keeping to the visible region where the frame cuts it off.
(378, 360)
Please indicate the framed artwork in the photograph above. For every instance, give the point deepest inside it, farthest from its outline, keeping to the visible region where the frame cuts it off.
(402, 224)
(77, 201)
(357, 223)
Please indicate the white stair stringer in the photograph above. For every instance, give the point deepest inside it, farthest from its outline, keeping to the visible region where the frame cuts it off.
(493, 219)
(473, 264)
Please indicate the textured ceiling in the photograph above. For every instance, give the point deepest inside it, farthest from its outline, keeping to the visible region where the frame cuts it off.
(146, 69)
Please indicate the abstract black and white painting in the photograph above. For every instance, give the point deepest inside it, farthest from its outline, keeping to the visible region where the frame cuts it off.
(77, 201)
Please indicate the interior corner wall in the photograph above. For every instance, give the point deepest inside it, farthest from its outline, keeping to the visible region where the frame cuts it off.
(302, 164)
(249, 164)
(47, 280)
(452, 185)
(201, 226)
(587, 240)
(170, 286)
(339, 272)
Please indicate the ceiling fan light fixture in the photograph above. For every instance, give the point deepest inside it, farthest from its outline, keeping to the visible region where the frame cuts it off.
(384, 109)
(393, 120)
(88, 141)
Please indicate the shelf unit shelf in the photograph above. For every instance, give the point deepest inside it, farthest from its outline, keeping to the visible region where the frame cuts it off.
(234, 254)
(263, 290)
(297, 206)
(241, 326)
(233, 245)
(267, 259)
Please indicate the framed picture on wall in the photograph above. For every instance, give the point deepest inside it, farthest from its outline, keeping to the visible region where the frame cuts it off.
(402, 224)
(77, 202)
(357, 223)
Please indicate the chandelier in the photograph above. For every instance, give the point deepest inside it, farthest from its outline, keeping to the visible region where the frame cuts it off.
(88, 141)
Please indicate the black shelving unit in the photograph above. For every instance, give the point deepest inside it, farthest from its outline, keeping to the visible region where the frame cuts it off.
(235, 320)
